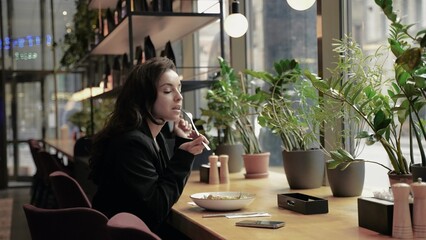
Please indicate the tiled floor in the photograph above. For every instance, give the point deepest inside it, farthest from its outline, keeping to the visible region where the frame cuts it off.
(20, 195)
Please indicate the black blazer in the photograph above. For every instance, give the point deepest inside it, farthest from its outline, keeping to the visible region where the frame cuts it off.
(142, 179)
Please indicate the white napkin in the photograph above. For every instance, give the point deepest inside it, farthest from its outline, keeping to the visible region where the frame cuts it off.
(260, 214)
(238, 215)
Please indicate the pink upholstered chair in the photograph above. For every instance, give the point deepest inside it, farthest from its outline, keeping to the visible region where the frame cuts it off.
(68, 191)
(66, 224)
(128, 226)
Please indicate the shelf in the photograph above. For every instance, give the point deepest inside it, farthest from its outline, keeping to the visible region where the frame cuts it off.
(160, 27)
(190, 85)
(187, 85)
(102, 4)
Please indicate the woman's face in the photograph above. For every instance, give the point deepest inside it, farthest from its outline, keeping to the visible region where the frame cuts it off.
(168, 104)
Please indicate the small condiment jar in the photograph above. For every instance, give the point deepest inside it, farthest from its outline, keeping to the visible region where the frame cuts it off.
(214, 171)
(224, 170)
(401, 225)
(419, 208)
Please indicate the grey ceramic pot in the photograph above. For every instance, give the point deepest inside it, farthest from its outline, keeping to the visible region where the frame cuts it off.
(348, 182)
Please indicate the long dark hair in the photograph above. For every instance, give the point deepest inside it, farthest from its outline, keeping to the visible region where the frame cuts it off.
(133, 104)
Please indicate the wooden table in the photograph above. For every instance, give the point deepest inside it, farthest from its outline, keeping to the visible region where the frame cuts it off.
(63, 146)
(341, 222)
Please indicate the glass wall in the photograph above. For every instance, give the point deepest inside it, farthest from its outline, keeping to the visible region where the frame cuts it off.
(276, 32)
(30, 58)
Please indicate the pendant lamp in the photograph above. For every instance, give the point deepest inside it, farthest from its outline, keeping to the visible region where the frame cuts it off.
(300, 5)
(236, 24)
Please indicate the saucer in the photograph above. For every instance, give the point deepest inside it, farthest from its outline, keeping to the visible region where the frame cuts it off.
(256, 175)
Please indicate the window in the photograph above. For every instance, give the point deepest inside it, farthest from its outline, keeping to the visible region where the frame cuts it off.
(276, 31)
(370, 28)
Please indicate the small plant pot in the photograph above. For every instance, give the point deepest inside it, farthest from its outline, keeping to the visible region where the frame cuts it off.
(256, 165)
(400, 178)
(235, 152)
(304, 169)
(348, 182)
(418, 171)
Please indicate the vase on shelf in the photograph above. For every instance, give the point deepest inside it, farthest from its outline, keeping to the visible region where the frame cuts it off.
(125, 68)
(140, 5)
(116, 72)
(149, 48)
(138, 55)
(168, 51)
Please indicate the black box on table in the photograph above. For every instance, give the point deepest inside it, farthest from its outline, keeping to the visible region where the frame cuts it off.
(205, 172)
(302, 203)
(376, 214)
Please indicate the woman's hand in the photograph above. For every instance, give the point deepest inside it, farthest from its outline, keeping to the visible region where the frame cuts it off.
(195, 146)
(183, 128)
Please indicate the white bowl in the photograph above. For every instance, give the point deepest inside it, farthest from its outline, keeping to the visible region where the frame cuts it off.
(223, 201)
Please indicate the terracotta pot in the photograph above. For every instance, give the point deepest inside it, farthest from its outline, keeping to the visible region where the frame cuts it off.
(256, 165)
(400, 178)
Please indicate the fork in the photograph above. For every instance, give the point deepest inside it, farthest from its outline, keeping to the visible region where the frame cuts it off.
(189, 115)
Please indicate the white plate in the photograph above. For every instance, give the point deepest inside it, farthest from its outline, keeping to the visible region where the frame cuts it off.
(223, 201)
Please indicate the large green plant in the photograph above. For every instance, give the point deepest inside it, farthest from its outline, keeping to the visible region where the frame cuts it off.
(101, 111)
(409, 88)
(220, 105)
(291, 106)
(231, 105)
(354, 89)
(77, 39)
(385, 106)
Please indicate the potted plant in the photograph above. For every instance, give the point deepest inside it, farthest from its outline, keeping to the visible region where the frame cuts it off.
(81, 120)
(239, 107)
(386, 112)
(290, 108)
(220, 99)
(348, 179)
(76, 42)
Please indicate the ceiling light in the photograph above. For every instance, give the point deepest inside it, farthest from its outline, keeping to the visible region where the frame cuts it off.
(300, 5)
(236, 24)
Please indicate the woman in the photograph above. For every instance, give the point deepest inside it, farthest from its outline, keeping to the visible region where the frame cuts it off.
(130, 161)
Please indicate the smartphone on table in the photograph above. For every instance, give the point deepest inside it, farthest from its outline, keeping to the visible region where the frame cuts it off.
(260, 224)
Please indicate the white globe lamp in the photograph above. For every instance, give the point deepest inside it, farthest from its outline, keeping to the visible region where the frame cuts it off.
(300, 5)
(236, 24)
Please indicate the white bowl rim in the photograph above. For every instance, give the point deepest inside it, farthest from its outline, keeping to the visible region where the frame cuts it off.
(202, 195)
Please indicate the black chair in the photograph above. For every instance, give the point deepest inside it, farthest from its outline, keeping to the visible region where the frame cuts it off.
(37, 186)
(81, 170)
(48, 164)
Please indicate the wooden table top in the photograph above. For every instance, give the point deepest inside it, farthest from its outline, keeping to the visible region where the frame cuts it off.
(65, 146)
(341, 222)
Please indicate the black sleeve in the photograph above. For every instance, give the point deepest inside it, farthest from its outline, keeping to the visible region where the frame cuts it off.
(156, 182)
